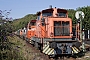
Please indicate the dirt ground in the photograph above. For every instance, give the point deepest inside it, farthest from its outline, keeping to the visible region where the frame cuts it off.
(86, 57)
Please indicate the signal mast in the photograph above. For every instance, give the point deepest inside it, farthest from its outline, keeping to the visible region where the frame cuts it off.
(80, 16)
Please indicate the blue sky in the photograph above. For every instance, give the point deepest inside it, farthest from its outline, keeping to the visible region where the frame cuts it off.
(20, 8)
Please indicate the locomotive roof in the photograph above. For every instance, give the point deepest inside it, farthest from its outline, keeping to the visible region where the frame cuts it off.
(51, 10)
(62, 10)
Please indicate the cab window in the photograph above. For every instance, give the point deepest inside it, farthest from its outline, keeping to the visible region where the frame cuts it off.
(61, 14)
(46, 14)
(38, 17)
(32, 23)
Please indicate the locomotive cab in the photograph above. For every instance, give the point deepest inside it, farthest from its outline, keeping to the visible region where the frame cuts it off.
(31, 28)
(55, 23)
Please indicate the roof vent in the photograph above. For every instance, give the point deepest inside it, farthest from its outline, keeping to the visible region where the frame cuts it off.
(50, 6)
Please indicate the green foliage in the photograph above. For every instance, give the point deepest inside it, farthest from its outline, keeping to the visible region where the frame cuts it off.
(71, 14)
(6, 49)
(22, 22)
(86, 20)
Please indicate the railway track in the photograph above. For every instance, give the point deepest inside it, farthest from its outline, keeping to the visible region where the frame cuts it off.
(40, 56)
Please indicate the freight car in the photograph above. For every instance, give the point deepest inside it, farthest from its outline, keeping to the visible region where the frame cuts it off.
(52, 33)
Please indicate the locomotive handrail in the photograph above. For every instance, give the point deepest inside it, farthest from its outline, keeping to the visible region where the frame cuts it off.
(41, 34)
(43, 30)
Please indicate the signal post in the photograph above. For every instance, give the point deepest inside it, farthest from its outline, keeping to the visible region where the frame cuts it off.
(79, 16)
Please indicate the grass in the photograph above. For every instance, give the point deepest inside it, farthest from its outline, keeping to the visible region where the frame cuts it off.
(22, 49)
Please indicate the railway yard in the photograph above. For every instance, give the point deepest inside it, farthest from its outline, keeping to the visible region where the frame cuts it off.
(31, 53)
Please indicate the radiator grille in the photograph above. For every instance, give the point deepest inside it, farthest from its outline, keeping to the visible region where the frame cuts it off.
(61, 28)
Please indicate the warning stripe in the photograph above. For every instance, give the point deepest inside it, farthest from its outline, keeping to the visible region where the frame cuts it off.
(47, 50)
(75, 50)
(47, 47)
(72, 52)
(51, 52)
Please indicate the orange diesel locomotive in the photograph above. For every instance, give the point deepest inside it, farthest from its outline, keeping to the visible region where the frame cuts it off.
(51, 32)
(30, 30)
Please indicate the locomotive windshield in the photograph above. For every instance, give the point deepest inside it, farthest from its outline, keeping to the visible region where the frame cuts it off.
(33, 23)
(47, 14)
(62, 14)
